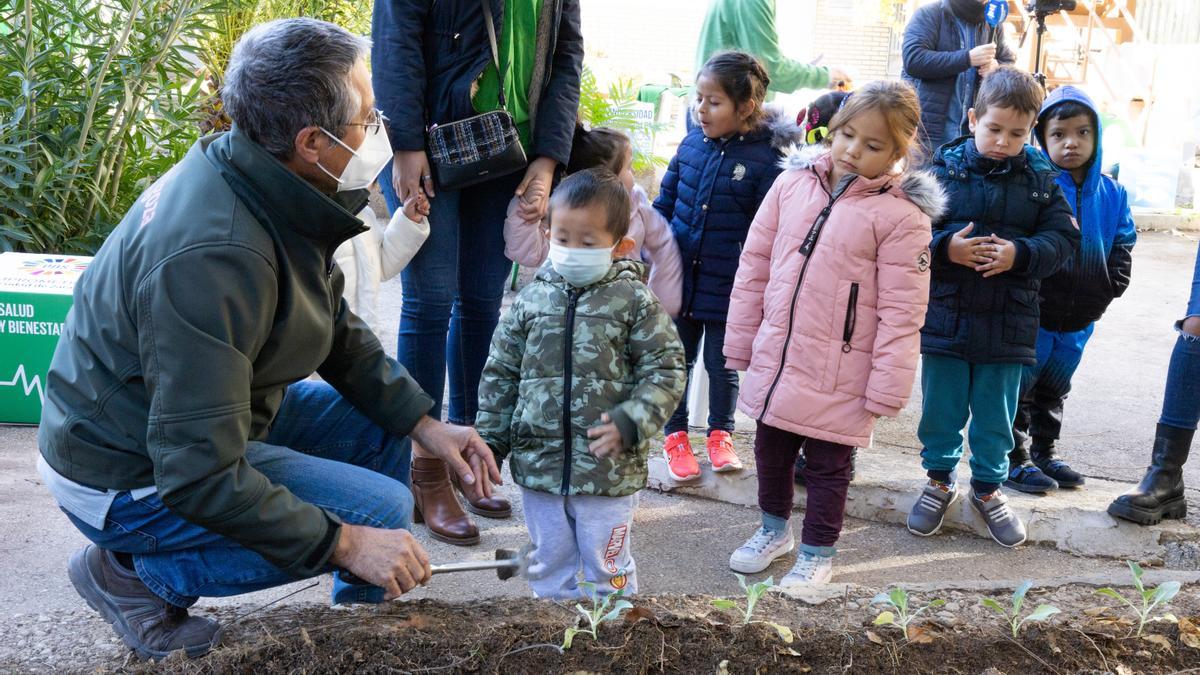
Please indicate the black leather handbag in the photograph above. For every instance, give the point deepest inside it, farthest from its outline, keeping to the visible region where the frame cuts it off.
(479, 148)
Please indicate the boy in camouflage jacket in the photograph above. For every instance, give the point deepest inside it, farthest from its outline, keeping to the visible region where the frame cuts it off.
(587, 332)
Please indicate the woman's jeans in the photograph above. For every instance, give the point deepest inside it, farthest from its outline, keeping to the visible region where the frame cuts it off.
(321, 449)
(1181, 402)
(452, 291)
(722, 382)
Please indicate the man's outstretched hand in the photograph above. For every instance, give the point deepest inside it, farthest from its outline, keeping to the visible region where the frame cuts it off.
(465, 452)
(390, 559)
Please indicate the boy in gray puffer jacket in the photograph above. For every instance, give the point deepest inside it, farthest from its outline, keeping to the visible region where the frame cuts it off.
(584, 370)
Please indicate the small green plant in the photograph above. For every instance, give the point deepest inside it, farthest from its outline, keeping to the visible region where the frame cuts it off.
(1014, 618)
(754, 593)
(1150, 597)
(603, 609)
(900, 615)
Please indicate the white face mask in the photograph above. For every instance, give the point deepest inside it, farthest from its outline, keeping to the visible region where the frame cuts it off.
(370, 158)
(580, 266)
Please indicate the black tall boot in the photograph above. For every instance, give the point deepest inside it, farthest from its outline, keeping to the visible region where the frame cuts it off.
(1160, 494)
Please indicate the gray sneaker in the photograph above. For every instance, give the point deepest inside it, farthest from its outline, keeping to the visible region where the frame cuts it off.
(148, 624)
(1004, 525)
(928, 512)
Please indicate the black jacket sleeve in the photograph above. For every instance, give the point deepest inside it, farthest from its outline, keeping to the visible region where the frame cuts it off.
(1120, 258)
(559, 107)
(922, 59)
(398, 69)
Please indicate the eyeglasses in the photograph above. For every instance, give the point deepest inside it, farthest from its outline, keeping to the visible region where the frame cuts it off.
(375, 121)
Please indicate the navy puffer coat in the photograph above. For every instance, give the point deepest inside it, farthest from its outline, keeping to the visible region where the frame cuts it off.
(709, 195)
(995, 319)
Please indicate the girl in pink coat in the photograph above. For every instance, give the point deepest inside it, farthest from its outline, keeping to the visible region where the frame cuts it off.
(527, 243)
(827, 306)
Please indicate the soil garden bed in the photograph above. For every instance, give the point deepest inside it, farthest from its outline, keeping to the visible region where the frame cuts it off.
(686, 634)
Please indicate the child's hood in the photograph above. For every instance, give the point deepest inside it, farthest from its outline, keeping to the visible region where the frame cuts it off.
(785, 133)
(920, 187)
(1062, 95)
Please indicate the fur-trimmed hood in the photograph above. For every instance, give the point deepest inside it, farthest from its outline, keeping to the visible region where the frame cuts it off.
(921, 187)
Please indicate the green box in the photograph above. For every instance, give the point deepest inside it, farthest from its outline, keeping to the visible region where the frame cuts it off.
(35, 295)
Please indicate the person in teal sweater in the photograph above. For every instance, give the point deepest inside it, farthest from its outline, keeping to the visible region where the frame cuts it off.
(749, 26)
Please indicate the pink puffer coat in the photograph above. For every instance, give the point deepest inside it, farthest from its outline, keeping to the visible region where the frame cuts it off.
(830, 340)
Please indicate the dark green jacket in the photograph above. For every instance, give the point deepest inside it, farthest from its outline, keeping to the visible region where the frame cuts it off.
(562, 357)
(216, 292)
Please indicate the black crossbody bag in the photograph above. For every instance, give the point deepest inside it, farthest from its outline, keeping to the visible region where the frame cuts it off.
(479, 148)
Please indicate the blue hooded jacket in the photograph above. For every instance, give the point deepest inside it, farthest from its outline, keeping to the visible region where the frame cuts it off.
(1079, 292)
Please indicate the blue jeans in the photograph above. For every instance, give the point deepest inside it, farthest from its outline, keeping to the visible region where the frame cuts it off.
(722, 382)
(1181, 401)
(319, 447)
(953, 390)
(452, 291)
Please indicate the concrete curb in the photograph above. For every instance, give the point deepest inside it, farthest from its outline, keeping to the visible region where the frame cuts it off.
(1167, 221)
(886, 485)
(816, 595)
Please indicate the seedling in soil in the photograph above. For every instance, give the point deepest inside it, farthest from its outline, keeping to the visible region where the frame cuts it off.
(1151, 597)
(900, 616)
(754, 593)
(1014, 619)
(603, 609)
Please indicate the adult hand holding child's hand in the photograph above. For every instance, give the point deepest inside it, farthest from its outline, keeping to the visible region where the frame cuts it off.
(969, 251)
(417, 207)
(606, 438)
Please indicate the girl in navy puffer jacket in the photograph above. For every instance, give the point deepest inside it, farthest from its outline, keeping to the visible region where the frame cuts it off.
(710, 193)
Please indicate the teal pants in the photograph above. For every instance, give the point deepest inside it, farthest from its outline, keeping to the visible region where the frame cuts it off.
(955, 391)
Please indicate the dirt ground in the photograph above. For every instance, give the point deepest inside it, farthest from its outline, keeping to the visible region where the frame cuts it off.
(686, 634)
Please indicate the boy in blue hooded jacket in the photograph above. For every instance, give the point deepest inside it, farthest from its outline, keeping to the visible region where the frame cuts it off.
(1069, 133)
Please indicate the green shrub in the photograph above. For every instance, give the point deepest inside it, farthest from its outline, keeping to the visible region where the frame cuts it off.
(97, 99)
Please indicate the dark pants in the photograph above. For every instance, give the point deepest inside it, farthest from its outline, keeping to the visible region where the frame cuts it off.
(722, 382)
(827, 474)
(452, 291)
(1045, 386)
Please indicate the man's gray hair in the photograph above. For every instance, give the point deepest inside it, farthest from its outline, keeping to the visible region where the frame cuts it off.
(289, 74)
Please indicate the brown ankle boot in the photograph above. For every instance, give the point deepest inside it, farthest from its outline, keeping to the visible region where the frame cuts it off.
(488, 507)
(436, 505)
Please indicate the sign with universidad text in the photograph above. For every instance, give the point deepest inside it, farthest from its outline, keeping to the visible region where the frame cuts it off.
(35, 295)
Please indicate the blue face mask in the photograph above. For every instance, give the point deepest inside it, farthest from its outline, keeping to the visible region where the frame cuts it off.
(580, 266)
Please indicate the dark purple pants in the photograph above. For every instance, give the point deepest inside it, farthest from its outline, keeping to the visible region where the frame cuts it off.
(827, 475)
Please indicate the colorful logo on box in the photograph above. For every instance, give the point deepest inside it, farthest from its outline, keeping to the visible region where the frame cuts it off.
(54, 266)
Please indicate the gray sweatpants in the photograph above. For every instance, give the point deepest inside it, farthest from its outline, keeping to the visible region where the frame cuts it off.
(576, 530)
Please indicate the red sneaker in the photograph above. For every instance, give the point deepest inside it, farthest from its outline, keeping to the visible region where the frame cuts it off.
(720, 452)
(681, 463)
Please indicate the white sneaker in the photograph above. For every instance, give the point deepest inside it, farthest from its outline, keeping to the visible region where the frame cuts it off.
(761, 550)
(809, 570)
